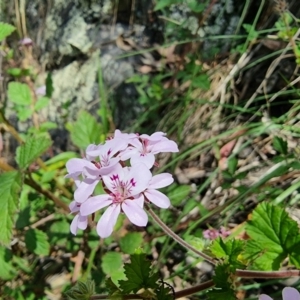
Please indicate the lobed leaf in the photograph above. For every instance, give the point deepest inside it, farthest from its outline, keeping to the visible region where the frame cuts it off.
(274, 236)
(85, 131)
(7, 271)
(32, 149)
(10, 184)
(19, 93)
(139, 275)
(5, 30)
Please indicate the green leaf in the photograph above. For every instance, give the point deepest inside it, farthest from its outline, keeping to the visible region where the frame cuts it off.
(81, 291)
(85, 131)
(49, 85)
(274, 236)
(10, 183)
(229, 252)
(19, 93)
(111, 261)
(24, 113)
(164, 3)
(5, 30)
(33, 147)
(201, 81)
(280, 145)
(7, 271)
(232, 164)
(222, 280)
(37, 242)
(130, 242)
(139, 275)
(41, 103)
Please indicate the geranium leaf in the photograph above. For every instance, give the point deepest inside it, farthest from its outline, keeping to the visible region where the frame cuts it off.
(274, 236)
(139, 274)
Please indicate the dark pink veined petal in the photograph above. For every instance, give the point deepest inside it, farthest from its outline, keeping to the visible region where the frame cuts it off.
(140, 176)
(112, 180)
(161, 180)
(289, 293)
(264, 297)
(135, 213)
(108, 220)
(85, 189)
(148, 159)
(94, 204)
(157, 198)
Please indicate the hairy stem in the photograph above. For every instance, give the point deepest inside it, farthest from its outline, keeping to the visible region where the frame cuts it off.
(176, 237)
(184, 293)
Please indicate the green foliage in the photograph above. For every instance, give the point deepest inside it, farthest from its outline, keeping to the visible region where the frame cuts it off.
(10, 184)
(165, 3)
(33, 147)
(274, 236)
(130, 242)
(280, 145)
(19, 93)
(5, 30)
(7, 271)
(37, 242)
(223, 285)
(85, 131)
(112, 265)
(81, 291)
(139, 275)
(229, 252)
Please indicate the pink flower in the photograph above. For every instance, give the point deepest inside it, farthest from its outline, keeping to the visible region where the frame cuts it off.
(99, 161)
(79, 221)
(143, 149)
(156, 197)
(288, 293)
(125, 186)
(211, 234)
(26, 41)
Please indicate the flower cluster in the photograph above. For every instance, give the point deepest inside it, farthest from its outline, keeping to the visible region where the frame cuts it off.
(288, 293)
(212, 233)
(126, 187)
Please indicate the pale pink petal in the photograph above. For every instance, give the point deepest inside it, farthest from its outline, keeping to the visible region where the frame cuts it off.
(165, 146)
(85, 190)
(135, 213)
(108, 220)
(158, 198)
(289, 293)
(76, 165)
(140, 176)
(264, 297)
(161, 180)
(128, 153)
(74, 207)
(73, 227)
(94, 204)
(82, 222)
(148, 159)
